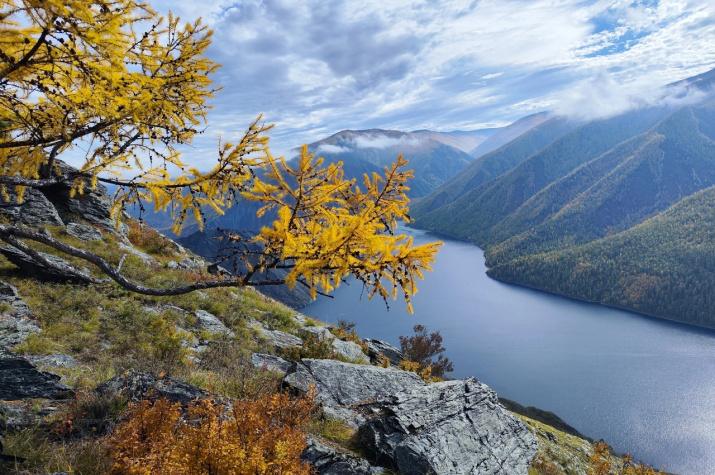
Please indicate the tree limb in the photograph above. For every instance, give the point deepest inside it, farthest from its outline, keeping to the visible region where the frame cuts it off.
(9, 232)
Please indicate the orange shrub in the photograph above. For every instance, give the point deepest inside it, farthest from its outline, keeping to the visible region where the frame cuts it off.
(251, 437)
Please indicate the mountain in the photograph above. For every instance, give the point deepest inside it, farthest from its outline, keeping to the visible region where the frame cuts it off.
(464, 140)
(365, 151)
(481, 204)
(493, 165)
(555, 219)
(634, 181)
(507, 134)
(664, 266)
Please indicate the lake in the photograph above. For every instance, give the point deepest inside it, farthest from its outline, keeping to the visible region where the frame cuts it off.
(644, 385)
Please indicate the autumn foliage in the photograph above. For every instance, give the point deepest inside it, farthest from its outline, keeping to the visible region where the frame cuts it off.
(603, 464)
(261, 436)
(129, 88)
(419, 349)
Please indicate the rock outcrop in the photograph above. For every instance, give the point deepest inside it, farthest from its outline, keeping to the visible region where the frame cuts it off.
(379, 347)
(344, 384)
(135, 386)
(15, 322)
(449, 427)
(20, 379)
(62, 272)
(331, 461)
(271, 363)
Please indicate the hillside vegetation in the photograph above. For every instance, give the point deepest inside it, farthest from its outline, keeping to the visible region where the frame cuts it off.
(573, 218)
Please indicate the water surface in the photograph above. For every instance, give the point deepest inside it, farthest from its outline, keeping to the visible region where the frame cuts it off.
(644, 385)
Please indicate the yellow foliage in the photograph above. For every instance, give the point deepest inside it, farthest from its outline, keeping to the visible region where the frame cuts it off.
(424, 373)
(602, 463)
(328, 228)
(250, 437)
(130, 87)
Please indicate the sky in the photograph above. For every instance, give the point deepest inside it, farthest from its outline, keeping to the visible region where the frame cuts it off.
(316, 67)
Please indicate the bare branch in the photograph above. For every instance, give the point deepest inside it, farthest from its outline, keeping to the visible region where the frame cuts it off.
(7, 232)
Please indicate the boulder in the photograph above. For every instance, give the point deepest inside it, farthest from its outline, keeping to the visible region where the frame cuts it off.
(281, 340)
(15, 323)
(332, 461)
(84, 232)
(29, 267)
(19, 379)
(209, 322)
(15, 417)
(350, 351)
(35, 209)
(454, 427)
(136, 386)
(344, 384)
(319, 332)
(271, 363)
(379, 347)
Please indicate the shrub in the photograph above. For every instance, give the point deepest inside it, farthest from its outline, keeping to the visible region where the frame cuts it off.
(260, 436)
(602, 463)
(420, 349)
(149, 239)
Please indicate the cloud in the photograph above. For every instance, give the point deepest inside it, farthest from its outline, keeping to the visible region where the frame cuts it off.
(328, 148)
(383, 141)
(314, 67)
(601, 97)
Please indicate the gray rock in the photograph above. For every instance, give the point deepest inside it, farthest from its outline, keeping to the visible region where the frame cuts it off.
(281, 339)
(84, 232)
(135, 386)
(211, 324)
(379, 347)
(53, 361)
(344, 384)
(15, 329)
(350, 351)
(35, 209)
(92, 205)
(454, 427)
(271, 363)
(19, 379)
(29, 267)
(192, 263)
(15, 418)
(321, 333)
(137, 253)
(330, 461)
(15, 323)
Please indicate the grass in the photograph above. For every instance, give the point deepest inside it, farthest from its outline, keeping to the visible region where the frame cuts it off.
(109, 330)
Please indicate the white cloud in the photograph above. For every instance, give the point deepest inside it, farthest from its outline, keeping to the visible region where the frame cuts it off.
(316, 67)
(383, 141)
(328, 148)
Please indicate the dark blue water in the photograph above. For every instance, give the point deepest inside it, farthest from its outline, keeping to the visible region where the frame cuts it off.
(644, 385)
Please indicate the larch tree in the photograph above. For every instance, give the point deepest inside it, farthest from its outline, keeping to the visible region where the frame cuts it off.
(129, 87)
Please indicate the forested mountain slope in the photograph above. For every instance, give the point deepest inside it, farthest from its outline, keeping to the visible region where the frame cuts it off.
(664, 266)
(365, 151)
(506, 134)
(493, 164)
(473, 213)
(641, 177)
(573, 218)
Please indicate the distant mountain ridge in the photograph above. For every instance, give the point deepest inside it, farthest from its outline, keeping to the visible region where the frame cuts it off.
(554, 219)
(365, 151)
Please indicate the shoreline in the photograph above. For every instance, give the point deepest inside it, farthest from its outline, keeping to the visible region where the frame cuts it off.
(570, 297)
